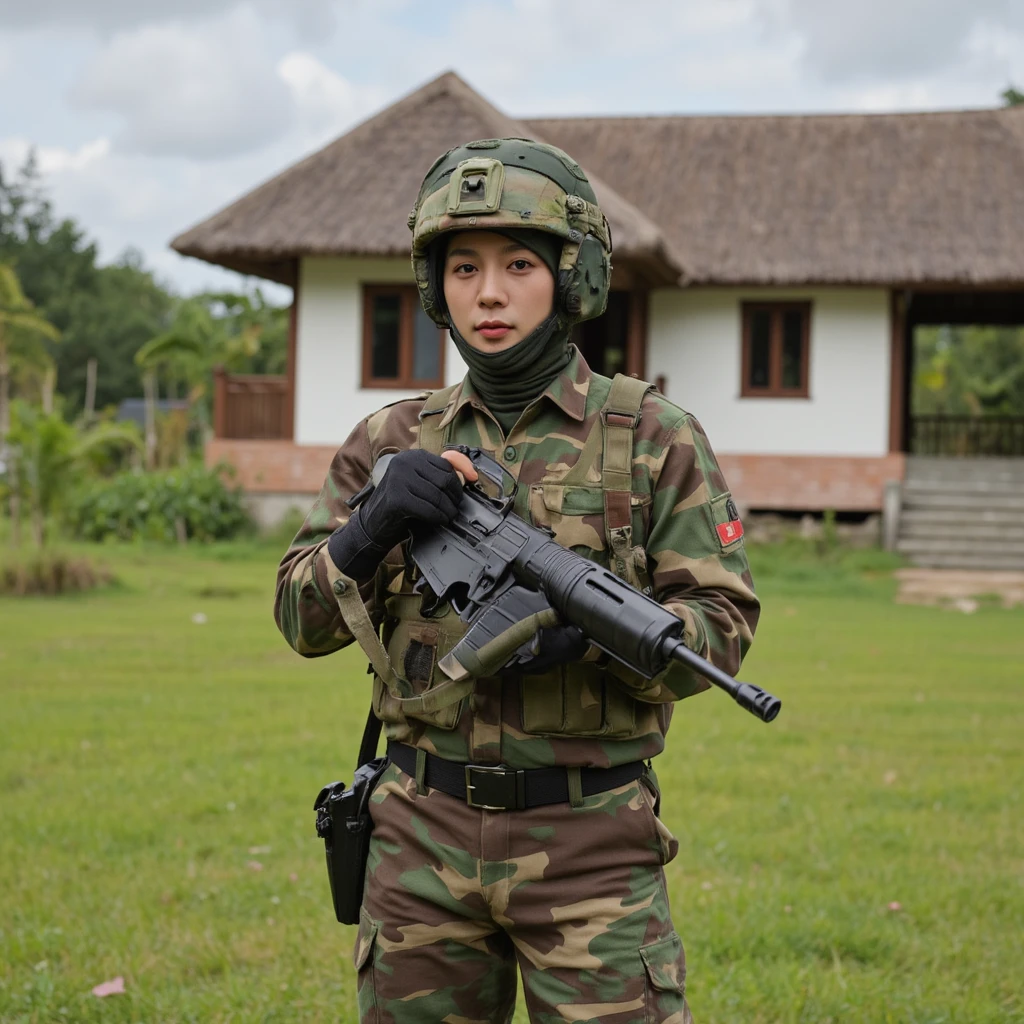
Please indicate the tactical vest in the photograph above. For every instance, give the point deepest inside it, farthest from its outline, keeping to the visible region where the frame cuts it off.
(579, 699)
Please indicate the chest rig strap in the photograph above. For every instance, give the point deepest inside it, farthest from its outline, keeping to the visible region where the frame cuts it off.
(433, 437)
(620, 416)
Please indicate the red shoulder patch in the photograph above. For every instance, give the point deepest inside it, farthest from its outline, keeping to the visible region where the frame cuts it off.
(729, 532)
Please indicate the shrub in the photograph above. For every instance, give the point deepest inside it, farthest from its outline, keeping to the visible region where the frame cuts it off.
(188, 503)
(49, 572)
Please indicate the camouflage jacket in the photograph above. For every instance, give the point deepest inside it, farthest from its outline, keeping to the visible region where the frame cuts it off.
(591, 713)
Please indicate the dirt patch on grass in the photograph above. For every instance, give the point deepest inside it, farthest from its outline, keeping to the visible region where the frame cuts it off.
(963, 589)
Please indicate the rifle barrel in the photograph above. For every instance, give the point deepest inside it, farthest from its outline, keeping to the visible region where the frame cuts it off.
(758, 702)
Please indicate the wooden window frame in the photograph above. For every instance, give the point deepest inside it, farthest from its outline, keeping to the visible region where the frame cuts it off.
(409, 300)
(775, 388)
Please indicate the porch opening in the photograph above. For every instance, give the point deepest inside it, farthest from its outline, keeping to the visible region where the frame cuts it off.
(615, 342)
(963, 392)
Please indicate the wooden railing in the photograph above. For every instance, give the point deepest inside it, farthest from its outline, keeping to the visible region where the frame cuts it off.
(256, 406)
(967, 435)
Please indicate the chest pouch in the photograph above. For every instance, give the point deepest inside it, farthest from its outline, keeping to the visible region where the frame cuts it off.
(606, 523)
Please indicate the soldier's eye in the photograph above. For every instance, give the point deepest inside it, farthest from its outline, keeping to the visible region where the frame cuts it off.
(465, 268)
(521, 264)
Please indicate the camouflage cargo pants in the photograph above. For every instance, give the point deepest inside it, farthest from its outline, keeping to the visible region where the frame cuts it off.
(456, 897)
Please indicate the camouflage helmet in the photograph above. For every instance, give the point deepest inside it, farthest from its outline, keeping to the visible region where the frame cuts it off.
(493, 184)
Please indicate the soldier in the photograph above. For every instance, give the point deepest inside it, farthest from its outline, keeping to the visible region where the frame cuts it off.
(510, 250)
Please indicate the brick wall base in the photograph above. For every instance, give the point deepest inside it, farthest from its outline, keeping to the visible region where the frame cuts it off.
(795, 482)
(273, 467)
(811, 483)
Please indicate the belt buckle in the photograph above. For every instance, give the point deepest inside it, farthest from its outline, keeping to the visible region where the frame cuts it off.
(496, 787)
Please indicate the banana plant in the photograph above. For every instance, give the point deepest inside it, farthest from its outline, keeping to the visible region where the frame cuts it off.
(179, 352)
(22, 331)
(51, 454)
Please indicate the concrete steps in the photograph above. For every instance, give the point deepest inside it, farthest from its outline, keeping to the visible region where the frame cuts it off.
(963, 513)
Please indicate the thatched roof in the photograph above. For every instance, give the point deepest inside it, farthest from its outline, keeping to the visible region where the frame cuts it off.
(351, 198)
(889, 199)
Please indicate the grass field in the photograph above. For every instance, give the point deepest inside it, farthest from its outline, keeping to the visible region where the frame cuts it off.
(861, 859)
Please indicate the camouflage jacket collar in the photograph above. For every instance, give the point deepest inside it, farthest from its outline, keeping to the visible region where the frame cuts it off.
(568, 391)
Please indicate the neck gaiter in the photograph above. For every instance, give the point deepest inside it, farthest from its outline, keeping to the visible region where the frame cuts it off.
(508, 381)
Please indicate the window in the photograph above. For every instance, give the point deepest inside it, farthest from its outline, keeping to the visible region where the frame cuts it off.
(402, 346)
(776, 349)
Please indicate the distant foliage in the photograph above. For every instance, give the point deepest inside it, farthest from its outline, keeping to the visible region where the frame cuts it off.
(969, 371)
(191, 503)
(108, 313)
(1012, 97)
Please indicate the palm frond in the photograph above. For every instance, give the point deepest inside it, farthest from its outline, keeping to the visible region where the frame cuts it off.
(167, 346)
(11, 294)
(26, 322)
(109, 434)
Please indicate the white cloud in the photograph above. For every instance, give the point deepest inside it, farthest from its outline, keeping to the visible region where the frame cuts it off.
(203, 91)
(894, 39)
(314, 19)
(124, 200)
(53, 159)
(181, 106)
(326, 103)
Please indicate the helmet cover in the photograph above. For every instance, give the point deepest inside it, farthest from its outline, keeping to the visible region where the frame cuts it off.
(495, 184)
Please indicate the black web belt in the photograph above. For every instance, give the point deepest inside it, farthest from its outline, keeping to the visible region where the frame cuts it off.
(497, 788)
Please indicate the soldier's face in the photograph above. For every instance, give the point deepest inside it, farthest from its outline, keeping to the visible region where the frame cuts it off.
(497, 290)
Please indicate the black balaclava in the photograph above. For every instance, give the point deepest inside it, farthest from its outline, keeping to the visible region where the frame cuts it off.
(510, 380)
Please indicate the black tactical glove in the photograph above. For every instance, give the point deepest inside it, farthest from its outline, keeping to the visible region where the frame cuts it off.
(417, 487)
(555, 645)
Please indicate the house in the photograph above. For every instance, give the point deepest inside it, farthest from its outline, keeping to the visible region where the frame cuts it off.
(768, 273)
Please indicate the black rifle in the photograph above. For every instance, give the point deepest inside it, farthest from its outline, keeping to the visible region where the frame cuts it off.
(498, 571)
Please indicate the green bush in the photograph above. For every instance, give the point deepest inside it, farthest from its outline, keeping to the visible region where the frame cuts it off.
(188, 503)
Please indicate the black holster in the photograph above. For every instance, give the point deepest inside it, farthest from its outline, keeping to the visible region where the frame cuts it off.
(343, 822)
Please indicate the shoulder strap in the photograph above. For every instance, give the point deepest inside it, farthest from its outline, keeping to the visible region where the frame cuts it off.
(433, 436)
(620, 415)
(371, 734)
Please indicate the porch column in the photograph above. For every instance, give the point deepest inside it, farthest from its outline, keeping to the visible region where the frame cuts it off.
(288, 414)
(899, 358)
(636, 333)
(220, 401)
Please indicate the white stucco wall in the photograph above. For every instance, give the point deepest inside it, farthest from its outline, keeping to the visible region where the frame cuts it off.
(328, 398)
(695, 341)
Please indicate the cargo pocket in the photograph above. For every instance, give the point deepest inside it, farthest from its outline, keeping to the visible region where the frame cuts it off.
(667, 844)
(573, 515)
(577, 700)
(362, 958)
(415, 645)
(665, 982)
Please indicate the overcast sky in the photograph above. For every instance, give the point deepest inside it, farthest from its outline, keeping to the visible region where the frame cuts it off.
(149, 115)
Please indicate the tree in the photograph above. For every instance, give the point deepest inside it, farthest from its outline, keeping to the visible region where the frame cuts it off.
(51, 455)
(254, 335)
(122, 309)
(969, 371)
(22, 331)
(181, 355)
(1012, 97)
(105, 313)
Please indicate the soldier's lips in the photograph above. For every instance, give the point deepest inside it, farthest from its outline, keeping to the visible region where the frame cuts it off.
(493, 331)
